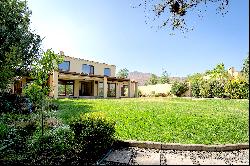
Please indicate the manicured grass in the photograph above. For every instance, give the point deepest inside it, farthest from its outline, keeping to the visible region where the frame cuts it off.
(169, 120)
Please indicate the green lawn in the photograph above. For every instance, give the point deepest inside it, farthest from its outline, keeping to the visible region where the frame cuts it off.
(169, 120)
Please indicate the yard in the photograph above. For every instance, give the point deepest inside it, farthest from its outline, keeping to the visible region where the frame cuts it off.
(169, 120)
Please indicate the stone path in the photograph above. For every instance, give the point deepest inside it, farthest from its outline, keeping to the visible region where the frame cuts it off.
(141, 156)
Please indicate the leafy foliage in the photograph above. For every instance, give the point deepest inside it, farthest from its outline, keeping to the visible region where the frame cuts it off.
(19, 46)
(54, 147)
(218, 83)
(179, 88)
(94, 134)
(164, 78)
(38, 90)
(245, 68)
(219, 72)
(18, 129)
(174, 13)
(153, 80)
(123, 73)
(14, 103)
(195, 84)
(237, 89)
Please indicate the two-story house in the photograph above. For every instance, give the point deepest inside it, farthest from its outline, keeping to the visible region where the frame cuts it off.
(82, 78)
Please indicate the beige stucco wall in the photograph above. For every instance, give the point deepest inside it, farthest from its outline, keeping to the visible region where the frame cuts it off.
(76, 66)
(159, 88)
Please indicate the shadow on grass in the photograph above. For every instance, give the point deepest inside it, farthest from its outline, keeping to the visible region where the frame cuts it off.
(72, 109)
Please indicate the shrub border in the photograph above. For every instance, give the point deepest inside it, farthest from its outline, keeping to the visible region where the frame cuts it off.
(186, 147)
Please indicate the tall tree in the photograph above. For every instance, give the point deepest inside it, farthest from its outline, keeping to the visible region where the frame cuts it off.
(19, 46)
(41, 69)
(153, 80)
(245, 68)
(123, 73)
(218, 72)
(164, 77)
(174, 13)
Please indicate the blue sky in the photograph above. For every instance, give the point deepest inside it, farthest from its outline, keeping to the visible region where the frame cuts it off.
(113, 32)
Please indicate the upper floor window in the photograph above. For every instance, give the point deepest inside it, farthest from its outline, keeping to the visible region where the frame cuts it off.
(107, 72)
(64, 66)
(87, 69)
(91, 69)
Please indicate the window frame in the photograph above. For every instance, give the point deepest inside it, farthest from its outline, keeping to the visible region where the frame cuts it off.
(83, 68)
(65, 83)
(64, 70)
(91, 67)
(109, 72)
(109, 90)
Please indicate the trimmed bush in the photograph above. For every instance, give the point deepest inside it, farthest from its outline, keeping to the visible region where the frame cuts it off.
(179, 88)
(94, 134)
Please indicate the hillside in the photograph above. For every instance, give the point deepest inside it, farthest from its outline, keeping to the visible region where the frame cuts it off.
(141, 77)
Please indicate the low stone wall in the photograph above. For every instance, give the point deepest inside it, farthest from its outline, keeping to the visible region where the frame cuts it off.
(159, 88)
(154, 89)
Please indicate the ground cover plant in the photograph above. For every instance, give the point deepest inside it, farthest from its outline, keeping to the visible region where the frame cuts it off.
(169, 120)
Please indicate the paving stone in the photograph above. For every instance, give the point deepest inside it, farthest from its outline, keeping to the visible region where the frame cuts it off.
(146, 158)
(121, 156)
(177, 160)
(141, 156)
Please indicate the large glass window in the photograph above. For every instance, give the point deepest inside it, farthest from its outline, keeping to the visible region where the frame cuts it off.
(65, 88)
(107, 72)
(87, 69)
(64, 66)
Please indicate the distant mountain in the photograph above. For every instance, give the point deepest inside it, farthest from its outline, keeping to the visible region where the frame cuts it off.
(141, 77)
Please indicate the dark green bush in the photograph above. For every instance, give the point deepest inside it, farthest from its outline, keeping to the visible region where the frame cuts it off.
(217, 87)
(15, 104)
(206, 89)
(195, 89)
(16, 129)
(179, 88)
(53, 106)
(94, 134)
(3, 130)
(55, 146)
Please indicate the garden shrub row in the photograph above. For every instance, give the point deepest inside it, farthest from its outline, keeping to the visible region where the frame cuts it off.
(224, 88)
(83, 141)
